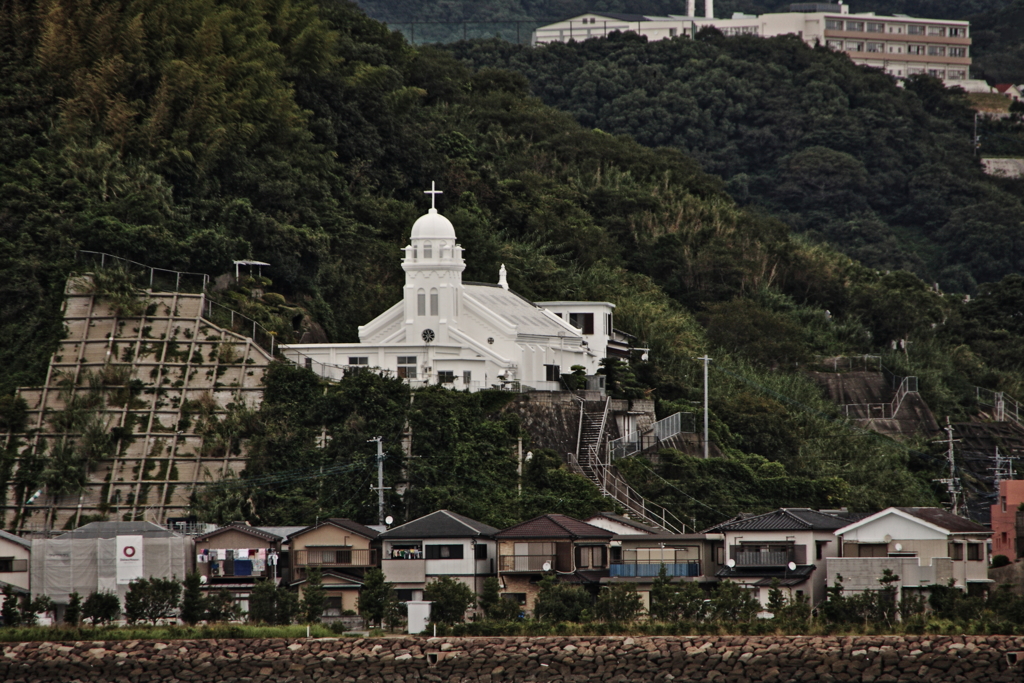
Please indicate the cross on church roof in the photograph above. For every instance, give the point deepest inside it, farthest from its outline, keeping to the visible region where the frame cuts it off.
(433, 194)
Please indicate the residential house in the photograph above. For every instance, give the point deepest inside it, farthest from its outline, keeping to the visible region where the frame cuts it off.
(236, 556)
(575, 551)
(789, 545)
(923, 546)
(14, 557)
(343, 550)
(1005, 515)
(638, 551)
(443, 543)
(106, 557)
(1008, 90)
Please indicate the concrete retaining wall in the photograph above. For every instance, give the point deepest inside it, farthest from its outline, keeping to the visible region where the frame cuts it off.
(733, 659)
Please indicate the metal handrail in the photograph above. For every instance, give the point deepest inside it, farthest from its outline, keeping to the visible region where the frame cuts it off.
(1006, 408)
(888, 410)
(83, 254)
(633, 442)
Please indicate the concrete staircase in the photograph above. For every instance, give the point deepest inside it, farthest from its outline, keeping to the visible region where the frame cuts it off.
(591, 460)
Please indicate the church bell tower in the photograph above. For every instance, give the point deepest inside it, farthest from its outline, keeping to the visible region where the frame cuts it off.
(433, 266)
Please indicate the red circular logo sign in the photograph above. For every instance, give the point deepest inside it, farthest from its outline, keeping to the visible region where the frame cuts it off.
(129, 551)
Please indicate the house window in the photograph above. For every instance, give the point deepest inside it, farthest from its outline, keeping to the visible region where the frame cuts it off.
(834, 44)
(404, 594)
(956, 551)
(876, 47)
(974, 552)
(671, 33)
(309, 363)
(467, 377)
(937, 73)
(915, 30)
(834, 24)
(958, 52)
(421, 303)
(872, 550)
(956, 74)
(854, 46)
(876, 27)
(517, 598)
(406, 552)
(819, 549)
(583, 322)
(358, 360)
(1002, 503)
(332, 607)
(588, 557)
(481, 551)
(608, 324)
(957, 32)
(936, 51)
(407, 367)
(937, 31)
(444, 552)
(551, 373)
(9, 564)
(446, 377)
(915, 49)
(855, 26)
(428, 250)
(433, 302)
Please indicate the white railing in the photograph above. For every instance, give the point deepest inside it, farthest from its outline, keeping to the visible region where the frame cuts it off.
(637, 441)
(884, 411)
(612, 485)
(154, 277)
(1005, 408)
(866, 362)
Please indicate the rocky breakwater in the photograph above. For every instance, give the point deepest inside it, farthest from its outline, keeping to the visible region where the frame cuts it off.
(722, 659)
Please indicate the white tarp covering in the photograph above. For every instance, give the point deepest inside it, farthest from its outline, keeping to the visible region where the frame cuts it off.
(129, 559)
(62, 565)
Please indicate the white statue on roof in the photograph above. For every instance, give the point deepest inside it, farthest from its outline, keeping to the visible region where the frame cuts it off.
(467, 335)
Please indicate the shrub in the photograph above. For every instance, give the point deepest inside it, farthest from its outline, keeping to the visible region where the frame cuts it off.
(619, 604)
(101, 608)
(151, 599)
(451, 598)
(1000, 561)
(559, 601)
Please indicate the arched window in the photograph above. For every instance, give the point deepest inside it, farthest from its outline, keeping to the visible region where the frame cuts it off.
(414, 254)
(427, 253)
(433, 302)
(421, 303)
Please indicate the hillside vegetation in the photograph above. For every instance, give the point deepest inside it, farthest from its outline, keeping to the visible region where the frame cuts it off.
(839, 152)
(186, 134)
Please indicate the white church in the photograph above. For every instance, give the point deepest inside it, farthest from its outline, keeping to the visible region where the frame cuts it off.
(469, 335)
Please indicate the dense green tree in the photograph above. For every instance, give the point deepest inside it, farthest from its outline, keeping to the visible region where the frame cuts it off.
(377, 600)
(494, 605)
(73, 612)
(314, 597)
(450, 598)
(560, 601)
(151, 599)
(10, 614)
(193, 602)
(101, 607)
(619, 604)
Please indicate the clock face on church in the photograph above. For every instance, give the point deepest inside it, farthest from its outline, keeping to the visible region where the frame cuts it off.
(428, 335)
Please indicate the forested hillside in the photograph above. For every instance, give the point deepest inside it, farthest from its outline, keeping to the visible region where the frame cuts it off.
(186, 134)
(839, 152)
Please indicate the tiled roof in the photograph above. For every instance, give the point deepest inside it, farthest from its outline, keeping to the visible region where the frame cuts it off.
(23, 542)
(115, 529)
(525, 315)
(554, 526)
(784, 519)
(441, 524)
(343, 523)
(267, 533)
(946, 520)
(626, 521)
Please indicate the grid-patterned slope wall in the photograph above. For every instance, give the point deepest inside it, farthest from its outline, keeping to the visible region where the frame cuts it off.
(153, 396)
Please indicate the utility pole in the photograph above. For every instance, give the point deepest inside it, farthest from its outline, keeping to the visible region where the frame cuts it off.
(380, 478)
(706, 361)
(952, 482)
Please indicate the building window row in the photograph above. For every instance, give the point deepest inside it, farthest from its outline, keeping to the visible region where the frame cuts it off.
(407, 367)
(909, 29)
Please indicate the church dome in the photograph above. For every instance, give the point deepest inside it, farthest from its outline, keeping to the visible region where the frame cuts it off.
(433, 226)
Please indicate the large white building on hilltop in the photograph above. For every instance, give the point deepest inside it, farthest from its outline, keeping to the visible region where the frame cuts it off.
(469, 335)
(900, 45)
